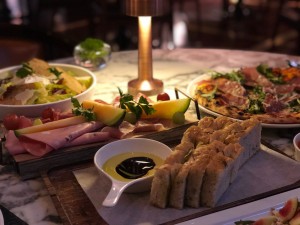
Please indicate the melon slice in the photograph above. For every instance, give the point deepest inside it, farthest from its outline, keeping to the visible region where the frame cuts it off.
(51, 125)
(166, 109)
(107, 114)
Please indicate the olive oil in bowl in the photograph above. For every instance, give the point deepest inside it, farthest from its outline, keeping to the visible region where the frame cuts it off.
(130, 165)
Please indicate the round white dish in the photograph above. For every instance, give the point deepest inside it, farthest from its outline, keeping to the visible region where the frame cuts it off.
(191, 90)
(296, 142)
(62, 105)
(1, 218)
(122, 146)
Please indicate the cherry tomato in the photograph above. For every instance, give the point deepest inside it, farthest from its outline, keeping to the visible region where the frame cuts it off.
(163, 97)
(11, 122)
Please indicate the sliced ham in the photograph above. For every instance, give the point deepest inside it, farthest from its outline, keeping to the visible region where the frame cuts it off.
(120, 132)
(143, 126)
(41, 143)
(12, 144)
(89, 138)
(127, 129)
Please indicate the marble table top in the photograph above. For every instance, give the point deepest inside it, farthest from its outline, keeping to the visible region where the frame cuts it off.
(30, 199)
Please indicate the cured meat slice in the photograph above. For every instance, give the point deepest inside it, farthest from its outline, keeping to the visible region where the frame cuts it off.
(229, 86)
(12, 144)
(90, 138)
(41, 143)
(254, 78)
(284, 88)
(272, 104)
(142, 126)
(127, 129)
(233, 92)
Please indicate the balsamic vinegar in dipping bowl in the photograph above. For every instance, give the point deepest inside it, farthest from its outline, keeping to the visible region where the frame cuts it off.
(130, 165)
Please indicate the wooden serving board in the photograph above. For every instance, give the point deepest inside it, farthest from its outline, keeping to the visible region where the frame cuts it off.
(74, 207)
(29, 166)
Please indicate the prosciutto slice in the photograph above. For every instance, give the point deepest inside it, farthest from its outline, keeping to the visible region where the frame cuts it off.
(234, 92)
(127, 129)
(254, 78)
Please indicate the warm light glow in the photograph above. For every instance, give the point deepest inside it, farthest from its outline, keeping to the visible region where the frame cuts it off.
(145, 48)
(145, 85)
(145, 22)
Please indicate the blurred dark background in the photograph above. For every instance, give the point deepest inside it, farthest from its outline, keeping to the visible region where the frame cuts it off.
(51, 28)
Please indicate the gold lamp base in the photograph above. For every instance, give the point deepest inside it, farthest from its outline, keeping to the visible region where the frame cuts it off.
(146, 87)
(144, 10)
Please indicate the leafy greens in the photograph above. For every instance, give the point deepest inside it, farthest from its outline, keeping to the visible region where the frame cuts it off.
(137, 107)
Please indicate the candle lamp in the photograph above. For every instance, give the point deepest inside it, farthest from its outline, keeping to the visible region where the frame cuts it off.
(145, 10)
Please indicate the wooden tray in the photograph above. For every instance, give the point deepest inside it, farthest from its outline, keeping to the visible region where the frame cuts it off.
(74, 207)
(28, 166)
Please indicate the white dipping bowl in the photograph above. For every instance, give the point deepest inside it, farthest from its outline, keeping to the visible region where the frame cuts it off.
(122, 146)
(296, 142)
(62, 105)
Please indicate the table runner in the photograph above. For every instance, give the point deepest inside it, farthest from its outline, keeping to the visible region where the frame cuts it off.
(267, 168)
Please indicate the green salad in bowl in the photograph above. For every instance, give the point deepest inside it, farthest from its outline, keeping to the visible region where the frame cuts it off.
(36, 85)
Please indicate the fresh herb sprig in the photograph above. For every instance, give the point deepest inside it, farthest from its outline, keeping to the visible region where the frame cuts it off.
(295, 105)
(268, 73)
(136, 107)
(24, 71)
(78, 110)
(233, 75)
(256, 101)
(55, 71)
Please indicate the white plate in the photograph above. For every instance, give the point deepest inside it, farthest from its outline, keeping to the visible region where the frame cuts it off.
(249, 211)
(63, 105)
(1, 218)
(191, 90)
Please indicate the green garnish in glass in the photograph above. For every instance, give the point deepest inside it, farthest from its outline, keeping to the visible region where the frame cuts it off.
(92, 49)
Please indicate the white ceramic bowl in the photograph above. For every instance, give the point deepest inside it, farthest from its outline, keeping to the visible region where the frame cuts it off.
(62, 105)
(296, 142)
(122, 146)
